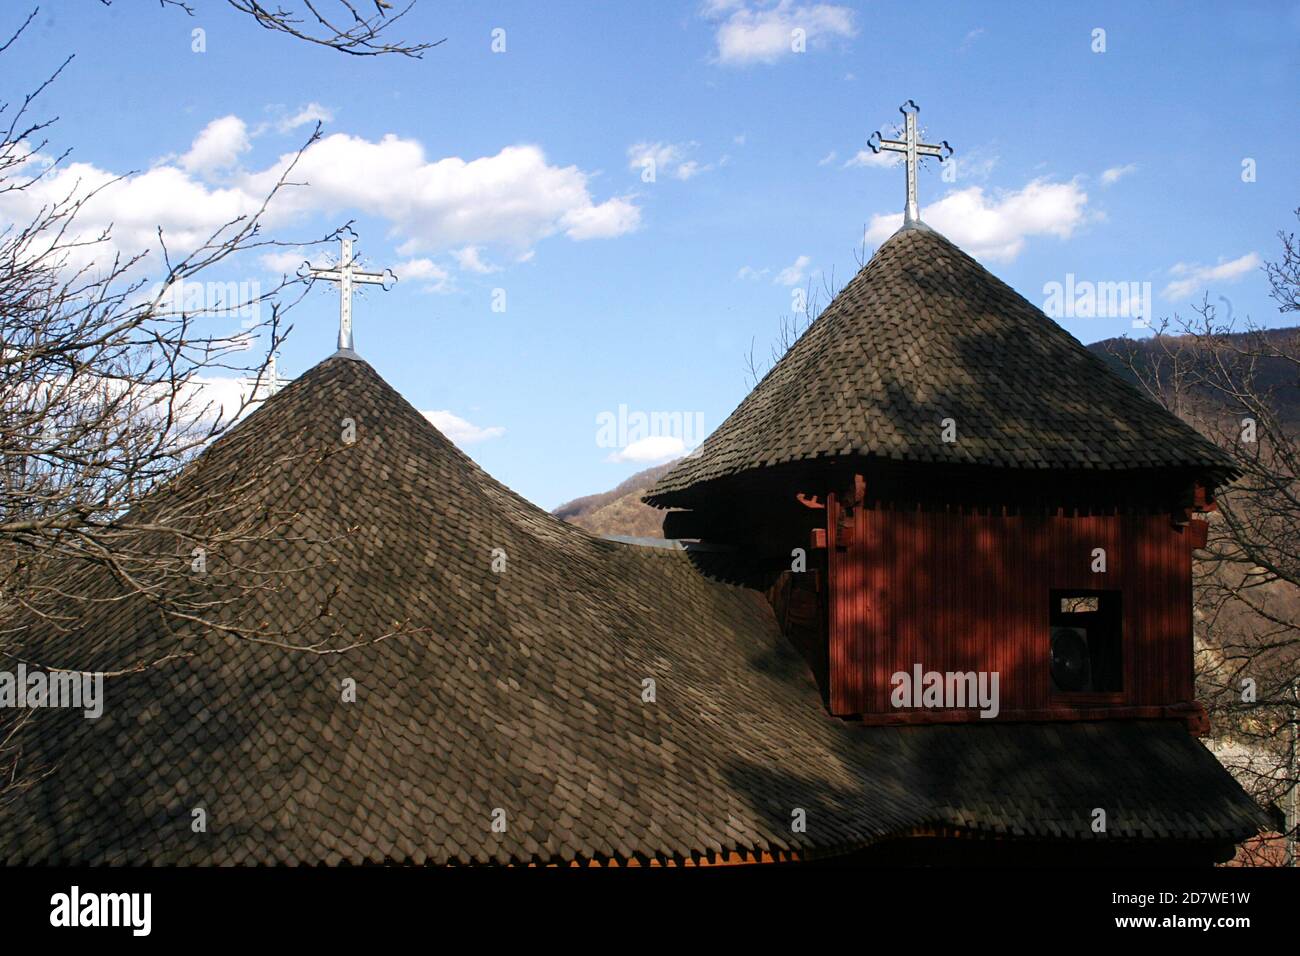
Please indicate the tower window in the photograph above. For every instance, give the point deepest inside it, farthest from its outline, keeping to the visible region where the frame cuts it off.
(1085, 652)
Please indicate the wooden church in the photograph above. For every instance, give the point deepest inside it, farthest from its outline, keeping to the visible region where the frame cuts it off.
(935, 480)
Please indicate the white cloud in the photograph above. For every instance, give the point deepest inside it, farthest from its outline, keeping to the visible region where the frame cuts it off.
(975, 163)
(460, 431)
(217, 147)
(469, 259)
(649, 450)
(793, 274)
(514, 199)
(881, 160)
(286, 262)
(995, 226)
(668, 159)
(612, 218)
(749, 272)
(660, 155)
(311, 113)
(201, 401)
(1194, 278)
(183, 414)
(690, 168)
(761, 32)
(828, 158)
(1116, 173)
(431, 276)
(135, 207)
(211, 398)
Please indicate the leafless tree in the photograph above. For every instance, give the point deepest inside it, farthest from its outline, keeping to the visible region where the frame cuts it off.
(1239, 384)
(102, 362)
(106, 359)
(337, 24)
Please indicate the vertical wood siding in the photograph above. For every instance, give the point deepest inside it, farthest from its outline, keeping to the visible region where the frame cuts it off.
(970, 592)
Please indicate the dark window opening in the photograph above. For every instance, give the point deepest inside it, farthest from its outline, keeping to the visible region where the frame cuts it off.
(1086, 650)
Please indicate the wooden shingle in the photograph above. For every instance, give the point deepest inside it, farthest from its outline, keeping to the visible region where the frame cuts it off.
(924, 333)
(516, 694)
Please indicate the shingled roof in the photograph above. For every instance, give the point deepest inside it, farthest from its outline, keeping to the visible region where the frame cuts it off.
(924, 333)
(519, 691)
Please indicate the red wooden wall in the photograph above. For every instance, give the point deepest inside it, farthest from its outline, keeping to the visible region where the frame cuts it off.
(970, 592)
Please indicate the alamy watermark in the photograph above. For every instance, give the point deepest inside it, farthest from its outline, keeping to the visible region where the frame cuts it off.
(241, 300)
(78, 908)
(1084, 299)
(638, 435)
(71, 690)
(951, 690)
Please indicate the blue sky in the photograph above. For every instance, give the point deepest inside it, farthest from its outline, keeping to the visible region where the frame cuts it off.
(472, 171)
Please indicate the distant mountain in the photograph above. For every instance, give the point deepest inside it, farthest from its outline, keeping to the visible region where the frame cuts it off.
(1276, 374)
(619, 511)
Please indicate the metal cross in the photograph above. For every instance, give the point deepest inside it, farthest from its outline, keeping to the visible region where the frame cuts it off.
(912, 149)
(267, 383)
(346, 274)
(272, 383)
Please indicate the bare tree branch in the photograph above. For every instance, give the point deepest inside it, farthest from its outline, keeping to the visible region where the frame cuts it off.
(346, 30)
(1241, 388)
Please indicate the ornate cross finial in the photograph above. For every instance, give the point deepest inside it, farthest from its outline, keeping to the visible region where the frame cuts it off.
(346, 274)
(912, 149)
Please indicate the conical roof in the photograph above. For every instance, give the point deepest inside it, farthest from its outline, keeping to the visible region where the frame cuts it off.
(519, 697)
(924, 333)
